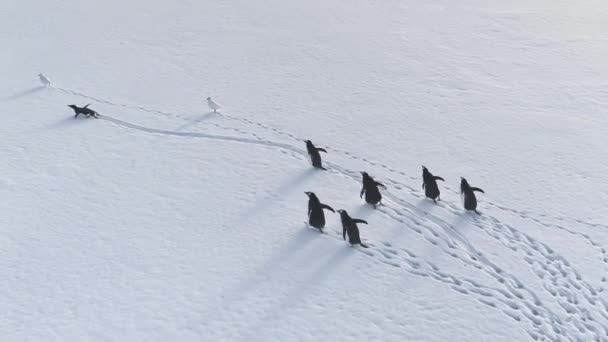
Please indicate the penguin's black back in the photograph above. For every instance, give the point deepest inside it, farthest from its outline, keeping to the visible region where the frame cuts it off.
(431, 190)
(316, 217)
(372, 193)
(353, 233)
(315, 157)
(470, 201)
(350, 226)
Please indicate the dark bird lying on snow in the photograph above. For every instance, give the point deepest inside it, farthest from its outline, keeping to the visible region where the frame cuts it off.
(316, 217)
(429, 184)
(349, 226)
(86, 111)
(470, 201)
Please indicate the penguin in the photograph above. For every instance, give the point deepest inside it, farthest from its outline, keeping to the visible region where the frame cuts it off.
(313, 153)
(349, 226)
(470, 201)
(316, 217)
(370, 189)
(213, 105)
(429, 184)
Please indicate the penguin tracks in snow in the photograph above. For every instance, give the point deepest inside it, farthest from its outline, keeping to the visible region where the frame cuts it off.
(588, 312)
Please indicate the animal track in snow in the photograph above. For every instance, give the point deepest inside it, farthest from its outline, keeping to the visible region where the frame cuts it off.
(577, 298)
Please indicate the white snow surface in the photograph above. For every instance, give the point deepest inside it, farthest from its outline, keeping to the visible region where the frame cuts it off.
(161, 221)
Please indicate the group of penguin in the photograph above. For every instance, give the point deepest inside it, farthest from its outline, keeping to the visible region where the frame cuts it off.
(373, 196)
(371, 187)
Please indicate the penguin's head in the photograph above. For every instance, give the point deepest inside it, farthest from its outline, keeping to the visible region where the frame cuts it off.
(72, 106)
(464, 185)
(40, 74)
(366, 177)
(342, 212)
(308, 193)
(209, 98)
(425, 172)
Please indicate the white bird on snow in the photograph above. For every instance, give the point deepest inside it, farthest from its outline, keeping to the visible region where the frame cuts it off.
(44, 80)
(213, 105)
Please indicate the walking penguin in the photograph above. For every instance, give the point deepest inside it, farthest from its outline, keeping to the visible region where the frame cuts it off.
(316, 217)
(470, 201)
(315, 157)
(349, 226)
(429, 184)
(370, 189)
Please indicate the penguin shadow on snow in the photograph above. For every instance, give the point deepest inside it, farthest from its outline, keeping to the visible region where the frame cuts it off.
(23, 93)
(364, 211)
(296, 295)
(425, 206)
(291, 184)
(196, 119)
(285, 255)
(464, 220)
(265, 273)
(68, 121)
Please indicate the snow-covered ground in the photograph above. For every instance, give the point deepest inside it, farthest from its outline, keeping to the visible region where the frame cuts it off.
(163, 221)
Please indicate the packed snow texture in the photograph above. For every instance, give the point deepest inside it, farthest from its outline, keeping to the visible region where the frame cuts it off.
(165, 221)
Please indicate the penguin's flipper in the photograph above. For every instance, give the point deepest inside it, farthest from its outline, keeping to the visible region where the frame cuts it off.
(360, 221)
(439, 178)
(325, 206)
(363, 245)
(344, 233)
(362, 192)
(423, 185)
(478, 189)
(86, 105)
(381, 185)
(321, 150)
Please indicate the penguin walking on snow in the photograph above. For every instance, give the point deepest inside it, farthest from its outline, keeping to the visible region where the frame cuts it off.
(470, 201)
(349, 226)
(316, 217)
(313, 153)
(429, 184)
(370, 189)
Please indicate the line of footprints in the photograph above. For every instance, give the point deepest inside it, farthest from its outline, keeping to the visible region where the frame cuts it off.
(371, 188)
(373, 196)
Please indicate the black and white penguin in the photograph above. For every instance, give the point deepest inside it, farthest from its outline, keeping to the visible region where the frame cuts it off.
(316, 217)
(349, 226)
(370, 189)
(429, 184)
(470, 201)
(315, 157)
